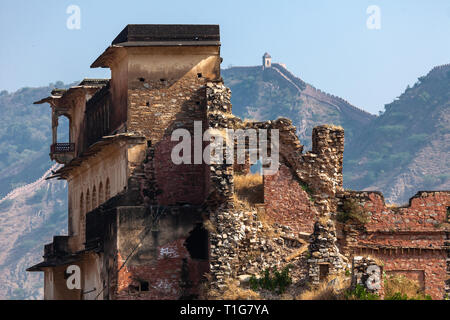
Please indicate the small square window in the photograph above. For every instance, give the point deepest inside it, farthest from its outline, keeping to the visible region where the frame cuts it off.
(144, 286)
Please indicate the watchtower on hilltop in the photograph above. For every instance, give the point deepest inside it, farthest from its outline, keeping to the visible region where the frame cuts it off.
(267, 60)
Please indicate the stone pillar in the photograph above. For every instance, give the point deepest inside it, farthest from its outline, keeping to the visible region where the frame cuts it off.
(325, 258)
(218, 103)
(328, 143)
(54, 126)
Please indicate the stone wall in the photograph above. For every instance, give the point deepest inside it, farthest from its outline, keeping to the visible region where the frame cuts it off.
(241, 247)
(156, 109)
(321, 169)
(219, 179)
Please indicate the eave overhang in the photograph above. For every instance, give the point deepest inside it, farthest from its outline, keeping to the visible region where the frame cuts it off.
(94, 149)
(113, 52)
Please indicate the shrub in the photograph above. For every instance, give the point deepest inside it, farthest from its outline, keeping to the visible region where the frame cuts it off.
(352, 211)
(418, 138)
(361, 293)
(399, 158)
(396, 296)
(306, 188)
(277, 282)
(392, 130)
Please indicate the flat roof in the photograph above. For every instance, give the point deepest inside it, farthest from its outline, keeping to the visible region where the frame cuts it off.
(160, 35)
(168, 33)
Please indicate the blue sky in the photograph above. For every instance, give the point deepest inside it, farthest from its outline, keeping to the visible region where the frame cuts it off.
(326, 43)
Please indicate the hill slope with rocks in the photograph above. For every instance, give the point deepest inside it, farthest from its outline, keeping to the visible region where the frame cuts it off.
(29, 217)
(407, 148)
(32, 209)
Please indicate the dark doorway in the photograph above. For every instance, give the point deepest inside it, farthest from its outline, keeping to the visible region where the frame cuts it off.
(197, 243)
(324, 270)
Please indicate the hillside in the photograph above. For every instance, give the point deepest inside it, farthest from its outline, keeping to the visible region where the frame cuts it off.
(275, 92)
(32, 210)
(407, 148)
(25, 137)
(29, 217)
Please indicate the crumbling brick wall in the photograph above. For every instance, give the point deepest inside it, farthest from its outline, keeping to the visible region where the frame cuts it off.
(173, 275)
(409, 239)
(430, 264)
(287, 202)
(146, 254)
(306, 185)
(426, 211)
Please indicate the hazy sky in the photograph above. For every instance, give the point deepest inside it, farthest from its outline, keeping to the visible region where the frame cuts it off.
(326, 43)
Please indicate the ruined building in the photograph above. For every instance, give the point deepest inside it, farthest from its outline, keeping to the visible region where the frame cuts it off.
(142, 227)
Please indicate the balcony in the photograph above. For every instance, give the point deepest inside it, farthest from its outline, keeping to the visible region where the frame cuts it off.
(62, 152)
(62, 147)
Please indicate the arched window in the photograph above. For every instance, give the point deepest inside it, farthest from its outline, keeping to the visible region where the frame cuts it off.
(88, 201)
(101, 196)
(107, 190)
(60, 128)
(94, 198)
(63, 132)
